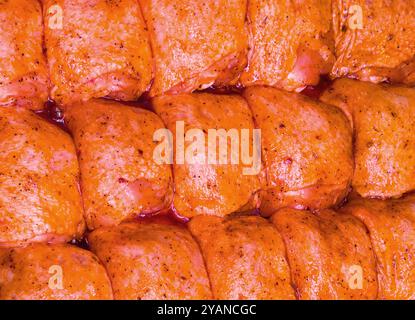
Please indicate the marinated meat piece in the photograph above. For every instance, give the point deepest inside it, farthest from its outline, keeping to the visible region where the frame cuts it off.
(330, 255)
(291, 43)
(152, 259)
(375, 40)
(384, 139)
(203, 186)
(119, 177)
(52, 272)
(23, 71)
(306, 150)
(101, 48)
(39, 194)
(245, 257)
(391, 226)
(195, 43)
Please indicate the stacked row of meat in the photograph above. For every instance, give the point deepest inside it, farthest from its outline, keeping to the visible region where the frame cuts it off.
(123, 48)
(364, 251)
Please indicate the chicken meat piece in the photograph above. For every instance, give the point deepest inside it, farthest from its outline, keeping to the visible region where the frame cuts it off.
(291, 43)
(330, 255)
(375, 40)
(23, 70)
(195, 43)
(207, 180)
(306, 150)
(245, 258)
(52, 272)
(119, 178)
(96, 48)
(391, 226)
(384, 140)
(151, 259)
(39, 193)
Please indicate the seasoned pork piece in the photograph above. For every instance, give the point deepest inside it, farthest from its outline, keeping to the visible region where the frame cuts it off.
(391, 227)
(196, 43)
(52, 272)
(245, 257)
(39, 193)
(23, 71)
(291, 43)
(151, 259)
(306, 150)
(384, 135)
(119, 177)
(330, 255)
(211, 178)
(375, 40)
(96, 48)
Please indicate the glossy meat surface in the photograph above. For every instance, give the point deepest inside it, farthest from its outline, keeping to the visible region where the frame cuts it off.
(291, 43)
(151, 260)
(196, 43)
(330, 255)
(52, 272)
(39, 193)
(119, 177)
(306, 150)
(102, 49)
(384, 140)
(383, 49)
(245, 257)
(201, 187)
(391, 226)
(23, 71)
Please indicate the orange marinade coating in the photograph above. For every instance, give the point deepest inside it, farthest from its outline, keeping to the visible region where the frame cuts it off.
(330, 255)
(391, 226)
(384, 140)
(101, 50)
(291, 43)
(383, 49)
(119, 177)
(52, 272)
(306, 150)
(214, 189)
(39, 192)
(23, 71)
(245, 258)
(196, 43)
(151, 259)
